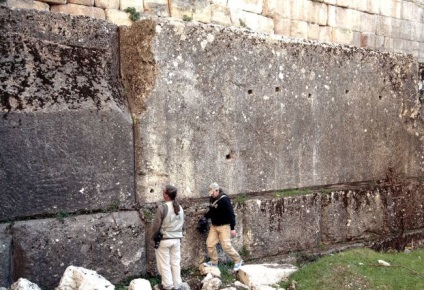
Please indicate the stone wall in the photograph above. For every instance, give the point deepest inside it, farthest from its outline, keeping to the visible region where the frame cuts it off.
(94, 119)
(259, 114)
(387, 25)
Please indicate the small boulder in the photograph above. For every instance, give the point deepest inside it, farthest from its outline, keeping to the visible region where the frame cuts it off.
(78, 278)
(205, 270)
(264, 274)
(211, 283)
(140, 284)
(24, 284)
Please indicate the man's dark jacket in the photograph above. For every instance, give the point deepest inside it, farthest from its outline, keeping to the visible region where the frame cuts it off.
(221, 213)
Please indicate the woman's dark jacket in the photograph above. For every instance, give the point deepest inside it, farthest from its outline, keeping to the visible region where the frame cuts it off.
(221, 211)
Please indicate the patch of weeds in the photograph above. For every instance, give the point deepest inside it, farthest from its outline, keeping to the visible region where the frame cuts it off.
(114, 206)
(134, 15)
(187, 18)
(244, 252)
(61, 215)
(148, 215)
(326, 190)
(242, 23)
(227, 276)
(240, 198)
(303, 258)
(291, 192)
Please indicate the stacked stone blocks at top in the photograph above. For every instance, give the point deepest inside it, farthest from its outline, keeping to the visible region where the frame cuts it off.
(66, 132)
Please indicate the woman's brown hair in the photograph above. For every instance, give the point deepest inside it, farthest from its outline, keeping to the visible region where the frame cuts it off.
(171, 191)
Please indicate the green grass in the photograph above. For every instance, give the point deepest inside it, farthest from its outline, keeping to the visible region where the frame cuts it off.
(291, 192)
(359, 269)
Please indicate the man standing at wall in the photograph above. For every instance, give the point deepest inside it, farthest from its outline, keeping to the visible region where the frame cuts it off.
(223, 220)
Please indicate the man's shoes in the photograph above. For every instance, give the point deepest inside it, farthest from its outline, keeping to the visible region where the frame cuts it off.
(210, 264)
(237, 266)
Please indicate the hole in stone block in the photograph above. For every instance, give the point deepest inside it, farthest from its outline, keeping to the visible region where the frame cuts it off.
(347, 91)
(152, 190)
(277, 89)
(309, 95)
(250, 92)
(380, 97)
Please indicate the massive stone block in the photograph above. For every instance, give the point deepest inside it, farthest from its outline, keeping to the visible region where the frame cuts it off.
(274, 226)
(258, 114)
(5, 256)
(66, 133)
(111, 244)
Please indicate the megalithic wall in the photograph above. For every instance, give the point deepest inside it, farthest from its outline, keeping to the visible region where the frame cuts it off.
(256, 113)
(65, 129)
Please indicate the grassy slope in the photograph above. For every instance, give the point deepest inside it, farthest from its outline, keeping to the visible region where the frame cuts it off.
(359, 269)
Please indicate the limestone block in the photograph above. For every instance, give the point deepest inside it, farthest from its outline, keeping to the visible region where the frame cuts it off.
(23, 283)
(397, 9)
(344, 18)
(277, 8)
(387, 8)
(403, 29)
(74, 9)
(67, 142)
(140, 284)
(342, 36)
(28, 4)
(220, 2)
(267, 235)
(313, 31)
(156, 7)
(407, 10)
(374, 6)
(197, 65)
(82, 2)
(352, 215)
(345, 3)
(84, 278)
(256, 275)
(368, 22)
(317, 13)
(362, 5)
(299, 29)
(220, 15)
(118, 17)
(137, 4)
(254, 6)
(112, 244)
(182, 8)
(330, 2)
(5, 256)
(282, 26)
(325, 34)
(110, 4)
(202, 11)
(252, 21)
(55, 1)
(384, 26)
(363, 39)
(299, 10)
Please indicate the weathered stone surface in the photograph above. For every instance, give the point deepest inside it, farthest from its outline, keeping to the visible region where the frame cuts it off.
(252, 21)
(79, 278)
(258, 114)
(157, 7)
(351, 215)
(5, 256)
(137, 4)
(66, 132)
(280, 225)
(82, 2)
(220, 15)
(55, 1)
(74, 9)
(254, 6)
(107, 4)
(118, 17)
(111, 244)
(28, 4)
